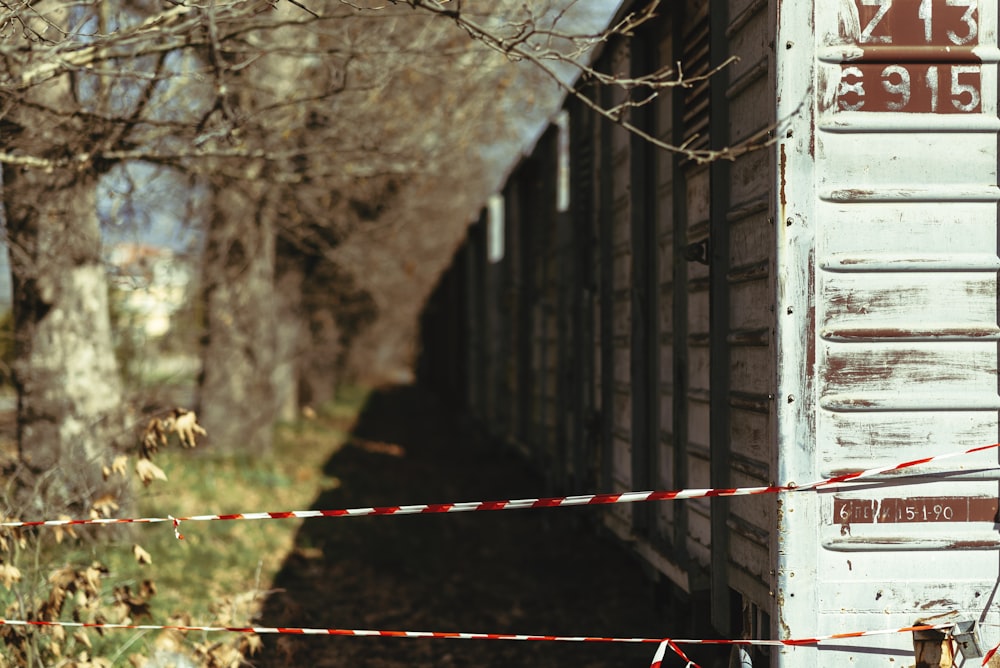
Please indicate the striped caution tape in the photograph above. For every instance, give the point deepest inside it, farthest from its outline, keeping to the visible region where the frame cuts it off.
(456, 635)
(663, 643)
(661, 651)
(512, 504)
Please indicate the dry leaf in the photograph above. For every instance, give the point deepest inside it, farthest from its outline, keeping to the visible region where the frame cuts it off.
(105, 505)
(380, 447)
(66, 529)
(254, 644)
(82, 638)
(133, 606)
(225, 656)
(154, 436)
(10, 532)
(9, 575)
(96, 662)
(63, 578)
(92, 578)
(185, 425)
(120, 465)
(141, 555)
(147, 588)
(148, 471)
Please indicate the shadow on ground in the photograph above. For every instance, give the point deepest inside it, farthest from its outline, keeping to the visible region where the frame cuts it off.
(531, 572)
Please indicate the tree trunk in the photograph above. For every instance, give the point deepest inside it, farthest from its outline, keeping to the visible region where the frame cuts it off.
(238, 403)
(288, 335)
(69, 412)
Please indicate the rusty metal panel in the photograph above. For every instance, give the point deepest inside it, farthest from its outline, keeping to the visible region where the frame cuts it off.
(887, 316)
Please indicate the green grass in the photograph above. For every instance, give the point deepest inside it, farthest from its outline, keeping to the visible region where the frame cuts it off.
(221, 570)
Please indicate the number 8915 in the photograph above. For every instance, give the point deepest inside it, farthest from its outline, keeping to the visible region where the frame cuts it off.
(940, 89)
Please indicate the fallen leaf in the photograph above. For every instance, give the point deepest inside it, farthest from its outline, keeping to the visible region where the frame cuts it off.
(62, 577)
(9, 575)
(254, 644)
(133, 606)
(82, 638)
(147, 588)
(92, 578)
(141, 555)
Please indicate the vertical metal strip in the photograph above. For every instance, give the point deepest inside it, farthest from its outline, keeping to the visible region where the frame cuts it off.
(680, 303)
(540, 222)
(566, 334)
(795, 345)
(581, 207)
(644, 369)
(606, 210)
(720, 434)
(524, 386)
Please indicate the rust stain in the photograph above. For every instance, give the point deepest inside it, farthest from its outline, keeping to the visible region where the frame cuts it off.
(811, 320)
(941, 602)
(889, 55)
(848, 194)
(854, 369)
(812, 132)
(972, 544)
(857, 192)
(873, 334)
(783, 164)
(857, 369)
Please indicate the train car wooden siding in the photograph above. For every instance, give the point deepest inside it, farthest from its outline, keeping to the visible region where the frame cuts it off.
(826, 304)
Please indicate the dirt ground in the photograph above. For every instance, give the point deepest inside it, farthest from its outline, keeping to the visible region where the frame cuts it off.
(531, 572)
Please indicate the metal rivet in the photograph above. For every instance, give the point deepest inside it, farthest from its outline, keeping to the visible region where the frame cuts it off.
(791, 398)
(788, 310)
(789, 221)
(789, 44)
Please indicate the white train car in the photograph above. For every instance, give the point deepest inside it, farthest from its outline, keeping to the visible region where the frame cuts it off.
(827, 303)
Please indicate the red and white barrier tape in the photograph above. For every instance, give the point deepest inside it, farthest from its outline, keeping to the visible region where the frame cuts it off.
(512, 504)
(661, 651)
(457, 635)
